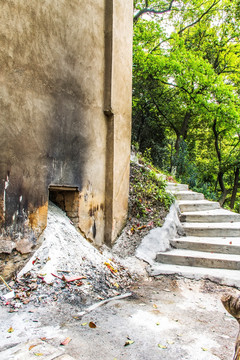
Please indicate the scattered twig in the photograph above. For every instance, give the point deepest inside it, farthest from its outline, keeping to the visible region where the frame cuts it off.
(5, 283)
(103, 302)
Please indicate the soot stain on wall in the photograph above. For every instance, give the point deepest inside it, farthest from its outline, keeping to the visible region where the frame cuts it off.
(67, 148)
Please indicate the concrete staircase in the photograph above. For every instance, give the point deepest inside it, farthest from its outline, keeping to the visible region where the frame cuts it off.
(210, 247)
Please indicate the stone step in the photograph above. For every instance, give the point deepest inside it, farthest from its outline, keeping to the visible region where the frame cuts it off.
(199, 259)
(220, 276)
(197, 205)
(216, 215)
(224, 245)
(176, 187)
(212, 229)
(187, 195)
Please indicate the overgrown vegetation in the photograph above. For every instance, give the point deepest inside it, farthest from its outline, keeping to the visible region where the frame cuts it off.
(186, 92)
(149, 199)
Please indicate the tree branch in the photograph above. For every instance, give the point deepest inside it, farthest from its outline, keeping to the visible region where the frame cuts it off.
(147, 10)
(188, 26)
(200, 18)
(165, 117)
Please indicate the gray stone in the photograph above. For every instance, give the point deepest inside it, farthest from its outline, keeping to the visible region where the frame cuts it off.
(24, 246)
(7, 246)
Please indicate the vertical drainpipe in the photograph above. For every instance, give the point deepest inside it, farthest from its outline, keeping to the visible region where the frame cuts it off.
(109, 113)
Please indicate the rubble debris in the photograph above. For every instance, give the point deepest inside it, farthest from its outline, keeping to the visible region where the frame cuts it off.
(9, 295)
(91, 275)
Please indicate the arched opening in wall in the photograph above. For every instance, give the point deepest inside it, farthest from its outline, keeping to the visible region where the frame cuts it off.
(67, 198)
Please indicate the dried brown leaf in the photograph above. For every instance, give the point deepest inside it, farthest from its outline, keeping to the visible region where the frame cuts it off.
(92, 325)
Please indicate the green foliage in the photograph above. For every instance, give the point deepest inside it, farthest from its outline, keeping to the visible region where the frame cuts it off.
(186, 88)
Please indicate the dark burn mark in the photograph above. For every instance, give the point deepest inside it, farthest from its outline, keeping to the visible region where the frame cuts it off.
(94, 230)
(67, 144)
(95, 209)
(64, 150)
(90, 213)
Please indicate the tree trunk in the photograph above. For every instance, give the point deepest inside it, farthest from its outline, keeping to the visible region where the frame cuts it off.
(232, 305)
(225, 192)
(235, 188)
(219, 156)
(177, 144)
(185, 123)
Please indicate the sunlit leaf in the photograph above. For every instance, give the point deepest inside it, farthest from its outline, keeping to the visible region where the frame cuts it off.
(128, 342)
(31, 347)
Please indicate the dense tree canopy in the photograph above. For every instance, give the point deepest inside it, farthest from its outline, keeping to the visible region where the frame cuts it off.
(186, 88)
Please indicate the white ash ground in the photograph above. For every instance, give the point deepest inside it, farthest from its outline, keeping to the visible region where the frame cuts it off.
(64, 251)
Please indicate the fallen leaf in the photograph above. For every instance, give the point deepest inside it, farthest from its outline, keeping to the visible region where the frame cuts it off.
(141, 227)
(38, 354)
(92, 325)
(83, 324)
(204, 349)
(162, 346)
(157, 323)
(31, 347)
(170, 342)
(155, 306)
(10, 330)
(43, 338)
(111, 268)
(66, 341)
(128, 342)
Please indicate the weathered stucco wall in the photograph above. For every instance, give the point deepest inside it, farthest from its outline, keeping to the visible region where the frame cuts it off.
(59, 62)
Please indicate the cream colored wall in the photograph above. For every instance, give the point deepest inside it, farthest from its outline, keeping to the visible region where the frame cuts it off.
(119, 106)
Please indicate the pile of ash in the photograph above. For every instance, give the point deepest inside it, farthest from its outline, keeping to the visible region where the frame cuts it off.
(66, 268)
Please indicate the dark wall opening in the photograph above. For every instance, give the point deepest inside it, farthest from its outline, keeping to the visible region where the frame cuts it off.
(67, 198)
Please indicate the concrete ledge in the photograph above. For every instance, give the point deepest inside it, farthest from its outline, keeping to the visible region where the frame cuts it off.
(158, 239)
(220, 276)
(199, 259)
